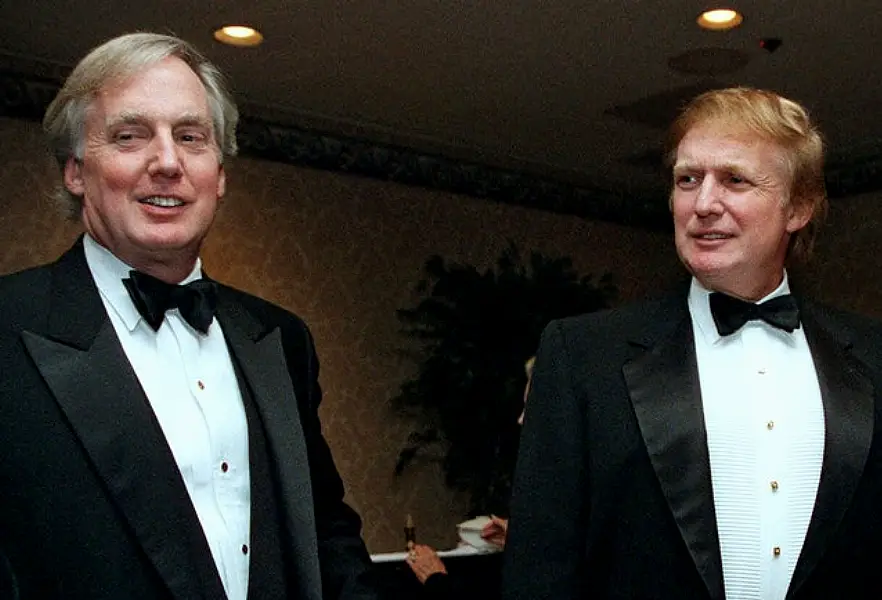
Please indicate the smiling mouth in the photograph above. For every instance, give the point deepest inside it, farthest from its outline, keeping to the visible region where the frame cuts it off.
(162, 201)
(713, 236)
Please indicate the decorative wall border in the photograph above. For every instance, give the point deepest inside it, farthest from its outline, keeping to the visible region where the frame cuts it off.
(295, 145)
(26, 96)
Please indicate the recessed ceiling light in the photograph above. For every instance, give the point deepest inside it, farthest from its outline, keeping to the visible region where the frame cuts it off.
(719, 19)
(238, 35)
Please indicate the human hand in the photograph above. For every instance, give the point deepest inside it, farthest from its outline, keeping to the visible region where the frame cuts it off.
(424, 562)
(495, 531)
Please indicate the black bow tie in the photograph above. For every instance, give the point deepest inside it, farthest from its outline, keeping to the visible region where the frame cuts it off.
(730, 314)
(153, 297)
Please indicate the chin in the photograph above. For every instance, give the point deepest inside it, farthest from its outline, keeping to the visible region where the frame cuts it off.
(708, 270)
(173, 237)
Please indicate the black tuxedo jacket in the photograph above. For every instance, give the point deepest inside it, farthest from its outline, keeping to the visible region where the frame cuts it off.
(612, 495)
(92, 505)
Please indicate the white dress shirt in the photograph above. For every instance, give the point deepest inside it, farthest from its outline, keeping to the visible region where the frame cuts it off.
(191, 385)
(765, 435)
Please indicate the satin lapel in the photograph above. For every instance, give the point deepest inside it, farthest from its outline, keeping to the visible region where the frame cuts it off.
(263, 364)
(87, 371)
(847, 395)
(665, 392)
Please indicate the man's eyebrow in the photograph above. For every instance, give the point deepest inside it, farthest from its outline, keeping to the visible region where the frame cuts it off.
(137, 118)
(682, 165)
(193, 119)
(686, 165)
(727, 165)
(125, 118)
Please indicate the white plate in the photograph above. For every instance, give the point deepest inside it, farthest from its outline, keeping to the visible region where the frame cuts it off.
(476, 524)
(470, 533)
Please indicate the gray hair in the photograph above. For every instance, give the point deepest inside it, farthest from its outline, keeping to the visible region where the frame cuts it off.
(115, 60)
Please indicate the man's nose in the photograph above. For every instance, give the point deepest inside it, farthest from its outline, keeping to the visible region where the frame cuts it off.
(166, 160)
(707, 201)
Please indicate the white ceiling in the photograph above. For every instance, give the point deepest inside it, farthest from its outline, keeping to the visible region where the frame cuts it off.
(574, 89)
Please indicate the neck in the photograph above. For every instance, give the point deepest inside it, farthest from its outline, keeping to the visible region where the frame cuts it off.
(169, 271)
(171, 265)
(750, 291)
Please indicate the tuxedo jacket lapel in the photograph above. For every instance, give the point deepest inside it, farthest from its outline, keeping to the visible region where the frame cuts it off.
(85, 368)
(260, 354)
(663, 383)
(848, 399)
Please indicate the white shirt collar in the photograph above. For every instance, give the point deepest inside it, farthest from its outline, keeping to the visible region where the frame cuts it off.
(108, 271)
(699, 307)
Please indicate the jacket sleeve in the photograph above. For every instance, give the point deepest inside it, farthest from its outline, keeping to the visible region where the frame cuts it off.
(543, 558)
(437, 587)
(347, 572)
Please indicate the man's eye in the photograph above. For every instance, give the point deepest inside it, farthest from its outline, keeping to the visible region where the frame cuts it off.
(127, 136)
(684, 180)
(192, 138)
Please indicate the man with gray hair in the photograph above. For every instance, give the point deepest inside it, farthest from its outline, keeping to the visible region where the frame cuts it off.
(160, 430)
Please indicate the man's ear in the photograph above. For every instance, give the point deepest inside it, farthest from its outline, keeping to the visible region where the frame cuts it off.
(73, 177)
(221, 182)
(800, 215)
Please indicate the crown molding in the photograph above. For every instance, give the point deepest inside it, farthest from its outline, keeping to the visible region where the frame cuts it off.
(266, 135)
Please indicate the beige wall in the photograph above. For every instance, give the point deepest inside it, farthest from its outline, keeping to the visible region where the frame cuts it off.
(345, 252)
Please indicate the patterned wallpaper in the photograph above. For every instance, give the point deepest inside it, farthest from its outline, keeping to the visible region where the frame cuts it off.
(344, 252)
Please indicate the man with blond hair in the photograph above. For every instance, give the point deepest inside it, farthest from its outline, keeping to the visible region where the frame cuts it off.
(721, 442)
(160, 430)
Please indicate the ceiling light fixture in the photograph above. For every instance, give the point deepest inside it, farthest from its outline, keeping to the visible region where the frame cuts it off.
(238, 35)
(719, 19)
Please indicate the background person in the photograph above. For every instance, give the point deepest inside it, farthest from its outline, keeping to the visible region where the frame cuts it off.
(424, 561)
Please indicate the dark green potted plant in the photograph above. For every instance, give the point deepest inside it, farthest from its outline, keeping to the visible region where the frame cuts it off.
(476, 330)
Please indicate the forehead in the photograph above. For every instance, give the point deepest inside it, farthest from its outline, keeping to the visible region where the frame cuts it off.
(163, 89)
(722, 146)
